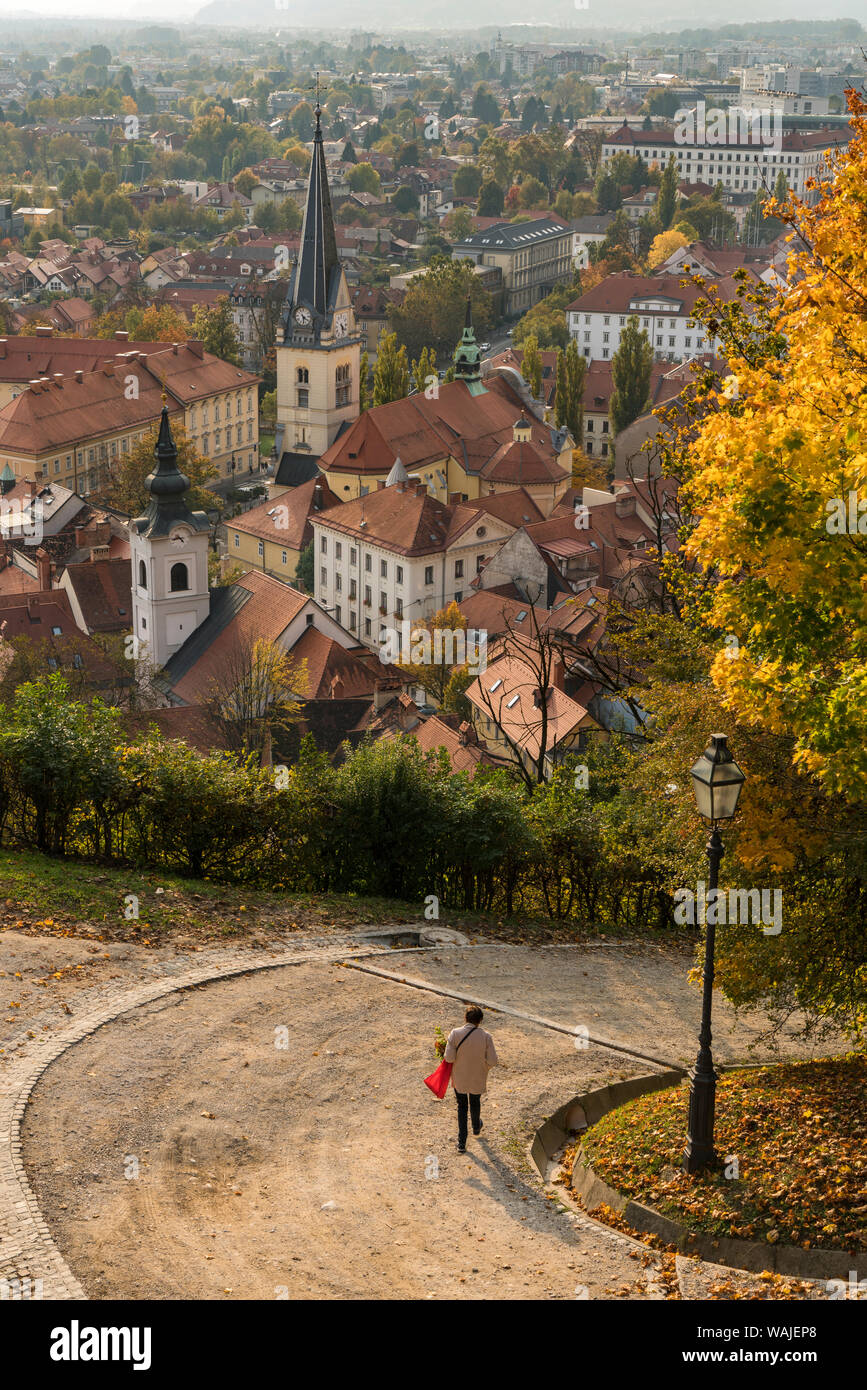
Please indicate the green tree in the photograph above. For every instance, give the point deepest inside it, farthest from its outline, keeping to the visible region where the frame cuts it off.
(467, 181)
(630, 376)
(531, 365)
(214, 326)
(404, 200)
(666, 201)
(569, 406)
(391, 373)
(363, 178)
(364, 383)
(305, 569)
(491, 198)
(423, 369)
(432, 313)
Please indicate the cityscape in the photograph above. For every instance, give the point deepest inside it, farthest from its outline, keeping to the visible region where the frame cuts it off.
(432, 568)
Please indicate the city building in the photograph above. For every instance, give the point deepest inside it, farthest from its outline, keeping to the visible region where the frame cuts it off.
(738, 160)
(533, 257)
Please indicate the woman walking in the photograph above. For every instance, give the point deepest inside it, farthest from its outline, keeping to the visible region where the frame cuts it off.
(472, 1051)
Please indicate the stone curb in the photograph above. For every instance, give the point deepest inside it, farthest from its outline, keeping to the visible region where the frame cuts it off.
(753, 1256)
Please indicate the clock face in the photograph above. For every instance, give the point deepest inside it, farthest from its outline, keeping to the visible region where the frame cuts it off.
(303, 316)
(177, 539)
(341, 324)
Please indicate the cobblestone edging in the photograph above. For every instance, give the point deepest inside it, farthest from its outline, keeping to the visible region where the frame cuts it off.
(27, 1251)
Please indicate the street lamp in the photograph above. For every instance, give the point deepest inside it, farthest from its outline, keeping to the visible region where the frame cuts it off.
(716, 782)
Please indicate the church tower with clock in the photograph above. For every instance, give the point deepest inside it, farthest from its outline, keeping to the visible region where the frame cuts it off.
(318, 348)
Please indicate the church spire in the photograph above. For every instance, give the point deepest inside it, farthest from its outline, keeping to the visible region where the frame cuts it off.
(168, 488)
(467, 357)
(312, 282)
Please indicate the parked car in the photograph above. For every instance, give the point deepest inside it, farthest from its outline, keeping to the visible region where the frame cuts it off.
(484, 347)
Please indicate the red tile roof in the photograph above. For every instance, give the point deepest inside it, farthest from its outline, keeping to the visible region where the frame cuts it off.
(285, 518)
(420, 431)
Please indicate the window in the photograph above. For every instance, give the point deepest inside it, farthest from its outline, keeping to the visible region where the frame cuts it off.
(284, 559)
(353, 555)
(303, 398)
(353, 590)
(261, 548)
(383, 569)
(57, 464)
(352, 621)
(338, 613)
(398, 608)
(179, 578)
(323, 545)
(368, 564)
(604, 426)
(398, 574)
(659, 340)
(428, 574)
(589, 426)
(343, 384)
(588, 447)
(367, 627)
(383, 601)
(368, 596)
(459, 595)
(323, 577)
(142, 575)
(338, 581)
(302, 376)
(338, 550)
(605, 337)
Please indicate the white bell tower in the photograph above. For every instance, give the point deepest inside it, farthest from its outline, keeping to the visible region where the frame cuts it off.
(169, 557)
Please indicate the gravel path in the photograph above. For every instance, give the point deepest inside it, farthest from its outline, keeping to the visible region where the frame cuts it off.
(182, 1151)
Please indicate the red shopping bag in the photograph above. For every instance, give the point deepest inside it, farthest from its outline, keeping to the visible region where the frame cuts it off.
(438, 1081)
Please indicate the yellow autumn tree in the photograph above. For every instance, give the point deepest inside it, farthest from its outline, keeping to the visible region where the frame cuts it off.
(776, 475)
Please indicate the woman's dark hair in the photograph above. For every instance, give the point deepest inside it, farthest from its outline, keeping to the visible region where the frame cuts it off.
(474, 1015)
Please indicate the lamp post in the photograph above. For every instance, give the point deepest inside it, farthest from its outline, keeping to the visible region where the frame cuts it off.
(717, 782)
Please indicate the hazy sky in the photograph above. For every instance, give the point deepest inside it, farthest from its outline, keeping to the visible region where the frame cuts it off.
(107, 9)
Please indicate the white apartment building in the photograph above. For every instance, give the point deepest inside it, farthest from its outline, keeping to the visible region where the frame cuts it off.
(399, 554)
(741, 164)
(662, 305)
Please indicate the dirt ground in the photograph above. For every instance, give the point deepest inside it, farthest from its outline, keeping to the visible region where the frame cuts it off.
(181, 1153)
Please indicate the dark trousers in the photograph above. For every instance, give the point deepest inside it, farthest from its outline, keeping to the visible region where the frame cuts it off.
(475, 1109)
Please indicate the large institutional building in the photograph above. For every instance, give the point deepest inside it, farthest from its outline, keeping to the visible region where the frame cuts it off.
(738, 160)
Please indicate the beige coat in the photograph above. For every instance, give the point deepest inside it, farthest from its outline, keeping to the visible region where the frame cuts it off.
(474, 1059)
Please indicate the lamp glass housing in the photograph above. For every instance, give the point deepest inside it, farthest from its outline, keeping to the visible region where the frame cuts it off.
(717, 781)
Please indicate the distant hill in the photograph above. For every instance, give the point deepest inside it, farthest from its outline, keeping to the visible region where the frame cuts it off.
(659, 15)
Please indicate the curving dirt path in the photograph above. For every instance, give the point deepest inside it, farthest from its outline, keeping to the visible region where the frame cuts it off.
(179, 1153)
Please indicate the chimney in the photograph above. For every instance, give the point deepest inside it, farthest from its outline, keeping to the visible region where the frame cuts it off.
(420, 489)
(121, 335)
(380, 484)
(466, 733)
(454, 499)
(195, 346)
(32, 607)
(108, 369)
(79, 375)
(558, 674)
(2, 347)
(317, 497)
(44, 330)
(336, 688)
(174, 349)
(381, 695)
(43, 568)
(540, 698)
(624, 504)
(98, 552)
(58, 380)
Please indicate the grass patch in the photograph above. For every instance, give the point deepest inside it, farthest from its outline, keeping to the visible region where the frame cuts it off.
(799, 1133)
(74, 896)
